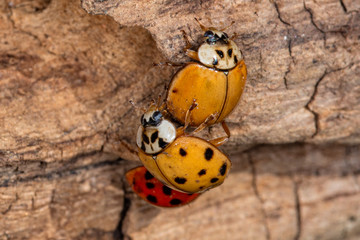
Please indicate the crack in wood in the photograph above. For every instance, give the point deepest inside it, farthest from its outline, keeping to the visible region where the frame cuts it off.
(285, 79)
(309, 10)
(39, 144)
(9, 6)
(279, 15)
(119, 231)
(312, 98)
(289, 41)
(292, 58)
(343, 6)
(257, 194)
(297, 210)
(10, 205)
(343, 30)
(340, 195)
(61, 173)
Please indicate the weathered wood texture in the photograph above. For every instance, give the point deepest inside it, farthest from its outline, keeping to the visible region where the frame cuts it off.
(66, 77)
(303, 61)
(273, 192)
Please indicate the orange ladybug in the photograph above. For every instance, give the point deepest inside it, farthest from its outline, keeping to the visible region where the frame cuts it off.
(184, 163)
(216, 81)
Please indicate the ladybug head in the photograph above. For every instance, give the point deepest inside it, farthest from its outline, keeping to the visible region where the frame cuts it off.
(213, 36)
(155, 132)
(218, 50)
(219, 55)
(151, 118)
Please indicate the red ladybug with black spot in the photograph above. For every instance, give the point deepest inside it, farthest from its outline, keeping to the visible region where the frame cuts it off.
(145, 185)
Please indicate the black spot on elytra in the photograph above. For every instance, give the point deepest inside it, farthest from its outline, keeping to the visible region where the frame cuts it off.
(230, 52)
(215, 61)
(145, 138)
(148, 175)
(162, 143)
(143, 146)
(208, 154)
(202, 172)
(151, 198)
(154, 136)
(182, 152)
(166, 190)
(174, 90)
(220, 53)
(201, 187)
(180, 180)
(175, 201)
(214, 180)
(235, 59)
(223, 169)
(150, 185)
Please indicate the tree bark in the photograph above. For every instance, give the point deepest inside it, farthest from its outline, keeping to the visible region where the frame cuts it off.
(67, 128)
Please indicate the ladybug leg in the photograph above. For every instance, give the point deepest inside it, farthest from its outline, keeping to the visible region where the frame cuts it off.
(190, 53)
(223, 29)
(181, 130)
(233, 36)
(187, 41)
(221, 140)
(133, 153)
(137, 108)
(206, 122)
(170, 64)
(201, 26)
(188, 114)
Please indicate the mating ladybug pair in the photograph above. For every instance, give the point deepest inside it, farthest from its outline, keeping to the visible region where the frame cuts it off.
(200, 94)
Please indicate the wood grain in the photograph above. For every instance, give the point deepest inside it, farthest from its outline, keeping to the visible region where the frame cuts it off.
(67, 128)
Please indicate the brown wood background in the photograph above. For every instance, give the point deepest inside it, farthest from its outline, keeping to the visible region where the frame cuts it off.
(67, 73)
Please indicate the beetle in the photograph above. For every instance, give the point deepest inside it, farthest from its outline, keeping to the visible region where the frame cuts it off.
(182, 162)
(216, 79)
(146, 186)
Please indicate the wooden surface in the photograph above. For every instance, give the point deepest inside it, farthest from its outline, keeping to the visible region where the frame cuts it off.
(67, 128)
(273, 192)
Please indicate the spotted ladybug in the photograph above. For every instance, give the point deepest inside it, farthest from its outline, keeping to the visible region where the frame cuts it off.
(184, 163)
(155, 192)
(216, 80)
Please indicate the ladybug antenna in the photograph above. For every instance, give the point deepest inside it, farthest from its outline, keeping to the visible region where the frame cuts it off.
(223, 29)
(153, 105)
(158, 104)
(137, 108)
(201, 26)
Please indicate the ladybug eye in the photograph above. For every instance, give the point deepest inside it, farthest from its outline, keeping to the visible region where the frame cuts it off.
(209, 34)
(157, 116)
